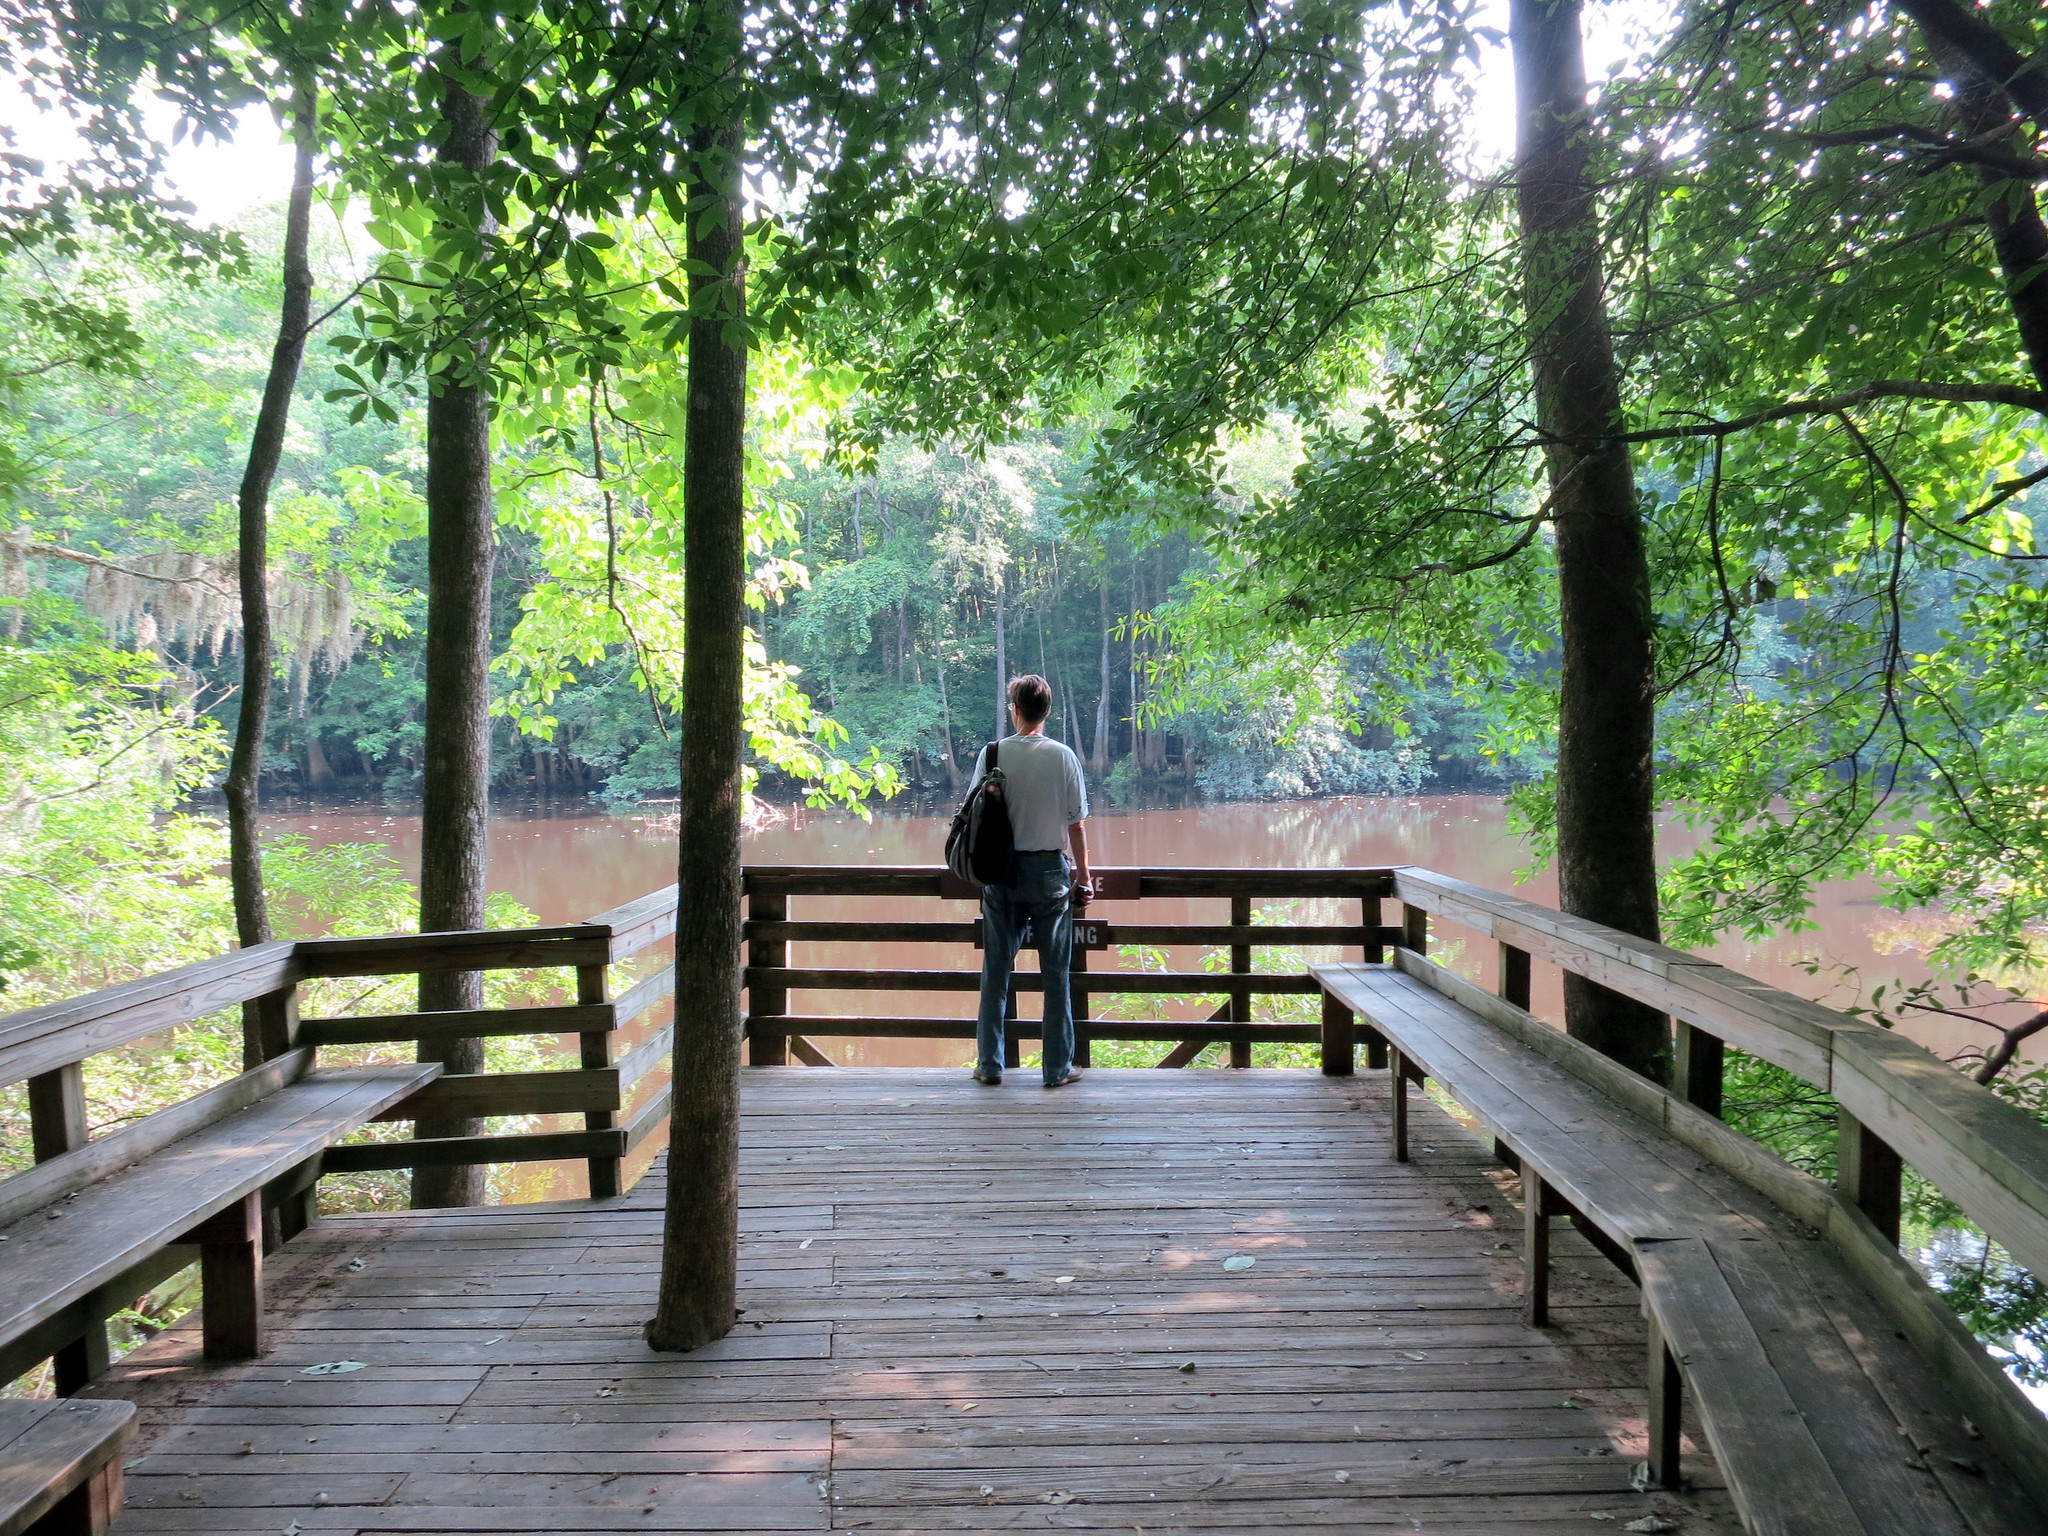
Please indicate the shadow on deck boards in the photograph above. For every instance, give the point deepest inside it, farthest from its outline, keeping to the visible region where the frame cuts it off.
(966, 1309)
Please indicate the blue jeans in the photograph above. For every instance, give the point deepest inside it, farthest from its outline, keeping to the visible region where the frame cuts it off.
(1039, 893)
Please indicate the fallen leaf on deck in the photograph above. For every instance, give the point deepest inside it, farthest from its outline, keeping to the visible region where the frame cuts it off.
(1188, 1369)
(968, 1407)
(358, 1264)
(1640, 1479)
(1239, 1261)
(1600, 1514)
(607, 1391)
(1651, 1523)
(501, 1338)
(332, 1367)
(807, 1242)
(1058, 1496)
(292, 1529)
(1343, 1477)
(1063, 1280)
(1413, 1354)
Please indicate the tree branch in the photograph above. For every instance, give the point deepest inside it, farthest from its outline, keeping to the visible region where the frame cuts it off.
(1963, 29)
(2016, 395)
(2000, 1056)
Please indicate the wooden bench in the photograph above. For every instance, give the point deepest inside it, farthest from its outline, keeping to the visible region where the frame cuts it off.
(84, 1227)
(60, 1466)
(1820, 1416)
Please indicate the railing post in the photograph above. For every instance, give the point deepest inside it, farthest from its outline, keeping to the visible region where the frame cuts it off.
(56, 1112)
(1013, 1049)
(1077, 995)
(1414, 929)
(766, 998)
(1370, 916)
(1698, 1063)
(592, 986)
(1240, 965)
(270, 1026)
(1514, 976)
(1869, 1173)
(56, 1125)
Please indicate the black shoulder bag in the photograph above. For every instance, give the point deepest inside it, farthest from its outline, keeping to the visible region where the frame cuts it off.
(980, 844)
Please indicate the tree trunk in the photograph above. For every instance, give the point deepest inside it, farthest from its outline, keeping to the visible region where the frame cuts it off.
(700, 1244)
(456, 744)
(1098, 754)
(266, 448)
(1964, 32)
(2012, 212)
(946, 707)
(1002, 663)
(1606, 793)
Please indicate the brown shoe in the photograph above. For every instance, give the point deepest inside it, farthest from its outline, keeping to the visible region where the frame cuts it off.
(1073, 1076)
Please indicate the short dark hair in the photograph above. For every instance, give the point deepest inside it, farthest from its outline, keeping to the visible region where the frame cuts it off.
(1031, 696)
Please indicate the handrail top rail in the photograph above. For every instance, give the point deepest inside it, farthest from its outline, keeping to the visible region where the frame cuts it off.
(58, 1034)
(1987, 1155)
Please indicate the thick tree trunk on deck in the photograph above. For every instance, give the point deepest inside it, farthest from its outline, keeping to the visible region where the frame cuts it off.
(266, 449)
(700, 1245)
(1606, 793)
(455, 809)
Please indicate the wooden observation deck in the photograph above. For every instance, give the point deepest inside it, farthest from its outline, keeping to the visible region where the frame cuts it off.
(966, 1309)
(1160, 1300)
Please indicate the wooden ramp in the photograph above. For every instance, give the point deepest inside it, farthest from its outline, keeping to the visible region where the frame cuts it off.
(966, 1310)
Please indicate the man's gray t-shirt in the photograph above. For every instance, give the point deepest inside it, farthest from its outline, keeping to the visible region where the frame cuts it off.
(1044, 790)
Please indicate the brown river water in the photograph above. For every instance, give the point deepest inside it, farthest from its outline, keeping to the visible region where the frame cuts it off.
(566, 865)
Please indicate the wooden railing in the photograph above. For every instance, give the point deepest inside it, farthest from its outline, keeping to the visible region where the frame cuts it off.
(47, 1047)
(775, 1032)
(1900, 1105)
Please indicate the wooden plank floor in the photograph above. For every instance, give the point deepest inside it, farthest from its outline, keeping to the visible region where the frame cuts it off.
(965, 1310)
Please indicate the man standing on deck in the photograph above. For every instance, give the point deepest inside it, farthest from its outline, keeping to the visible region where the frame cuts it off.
(1047, 802)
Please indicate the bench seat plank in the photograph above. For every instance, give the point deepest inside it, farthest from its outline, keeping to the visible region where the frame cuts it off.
(1547, 1115)
(1780, 1478)
(1774, 1332)
(51, 1451)
(60, 1254)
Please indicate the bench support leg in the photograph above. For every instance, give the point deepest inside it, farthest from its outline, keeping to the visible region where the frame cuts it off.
(81, 1362)
(1397, 1083)
(1375, 1047)
(231, 1280)
(87, 1510)
(1537, 1208)
(1338, 1038)
(1667, 1394)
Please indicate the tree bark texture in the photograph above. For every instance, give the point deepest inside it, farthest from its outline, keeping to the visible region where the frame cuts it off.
(2012, 211)
(1606, 793)
(266, 450)
(1961, 31)
(461, 550)
(700, 1244)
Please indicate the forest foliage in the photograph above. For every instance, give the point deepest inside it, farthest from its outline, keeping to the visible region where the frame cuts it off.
(1218, 412)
